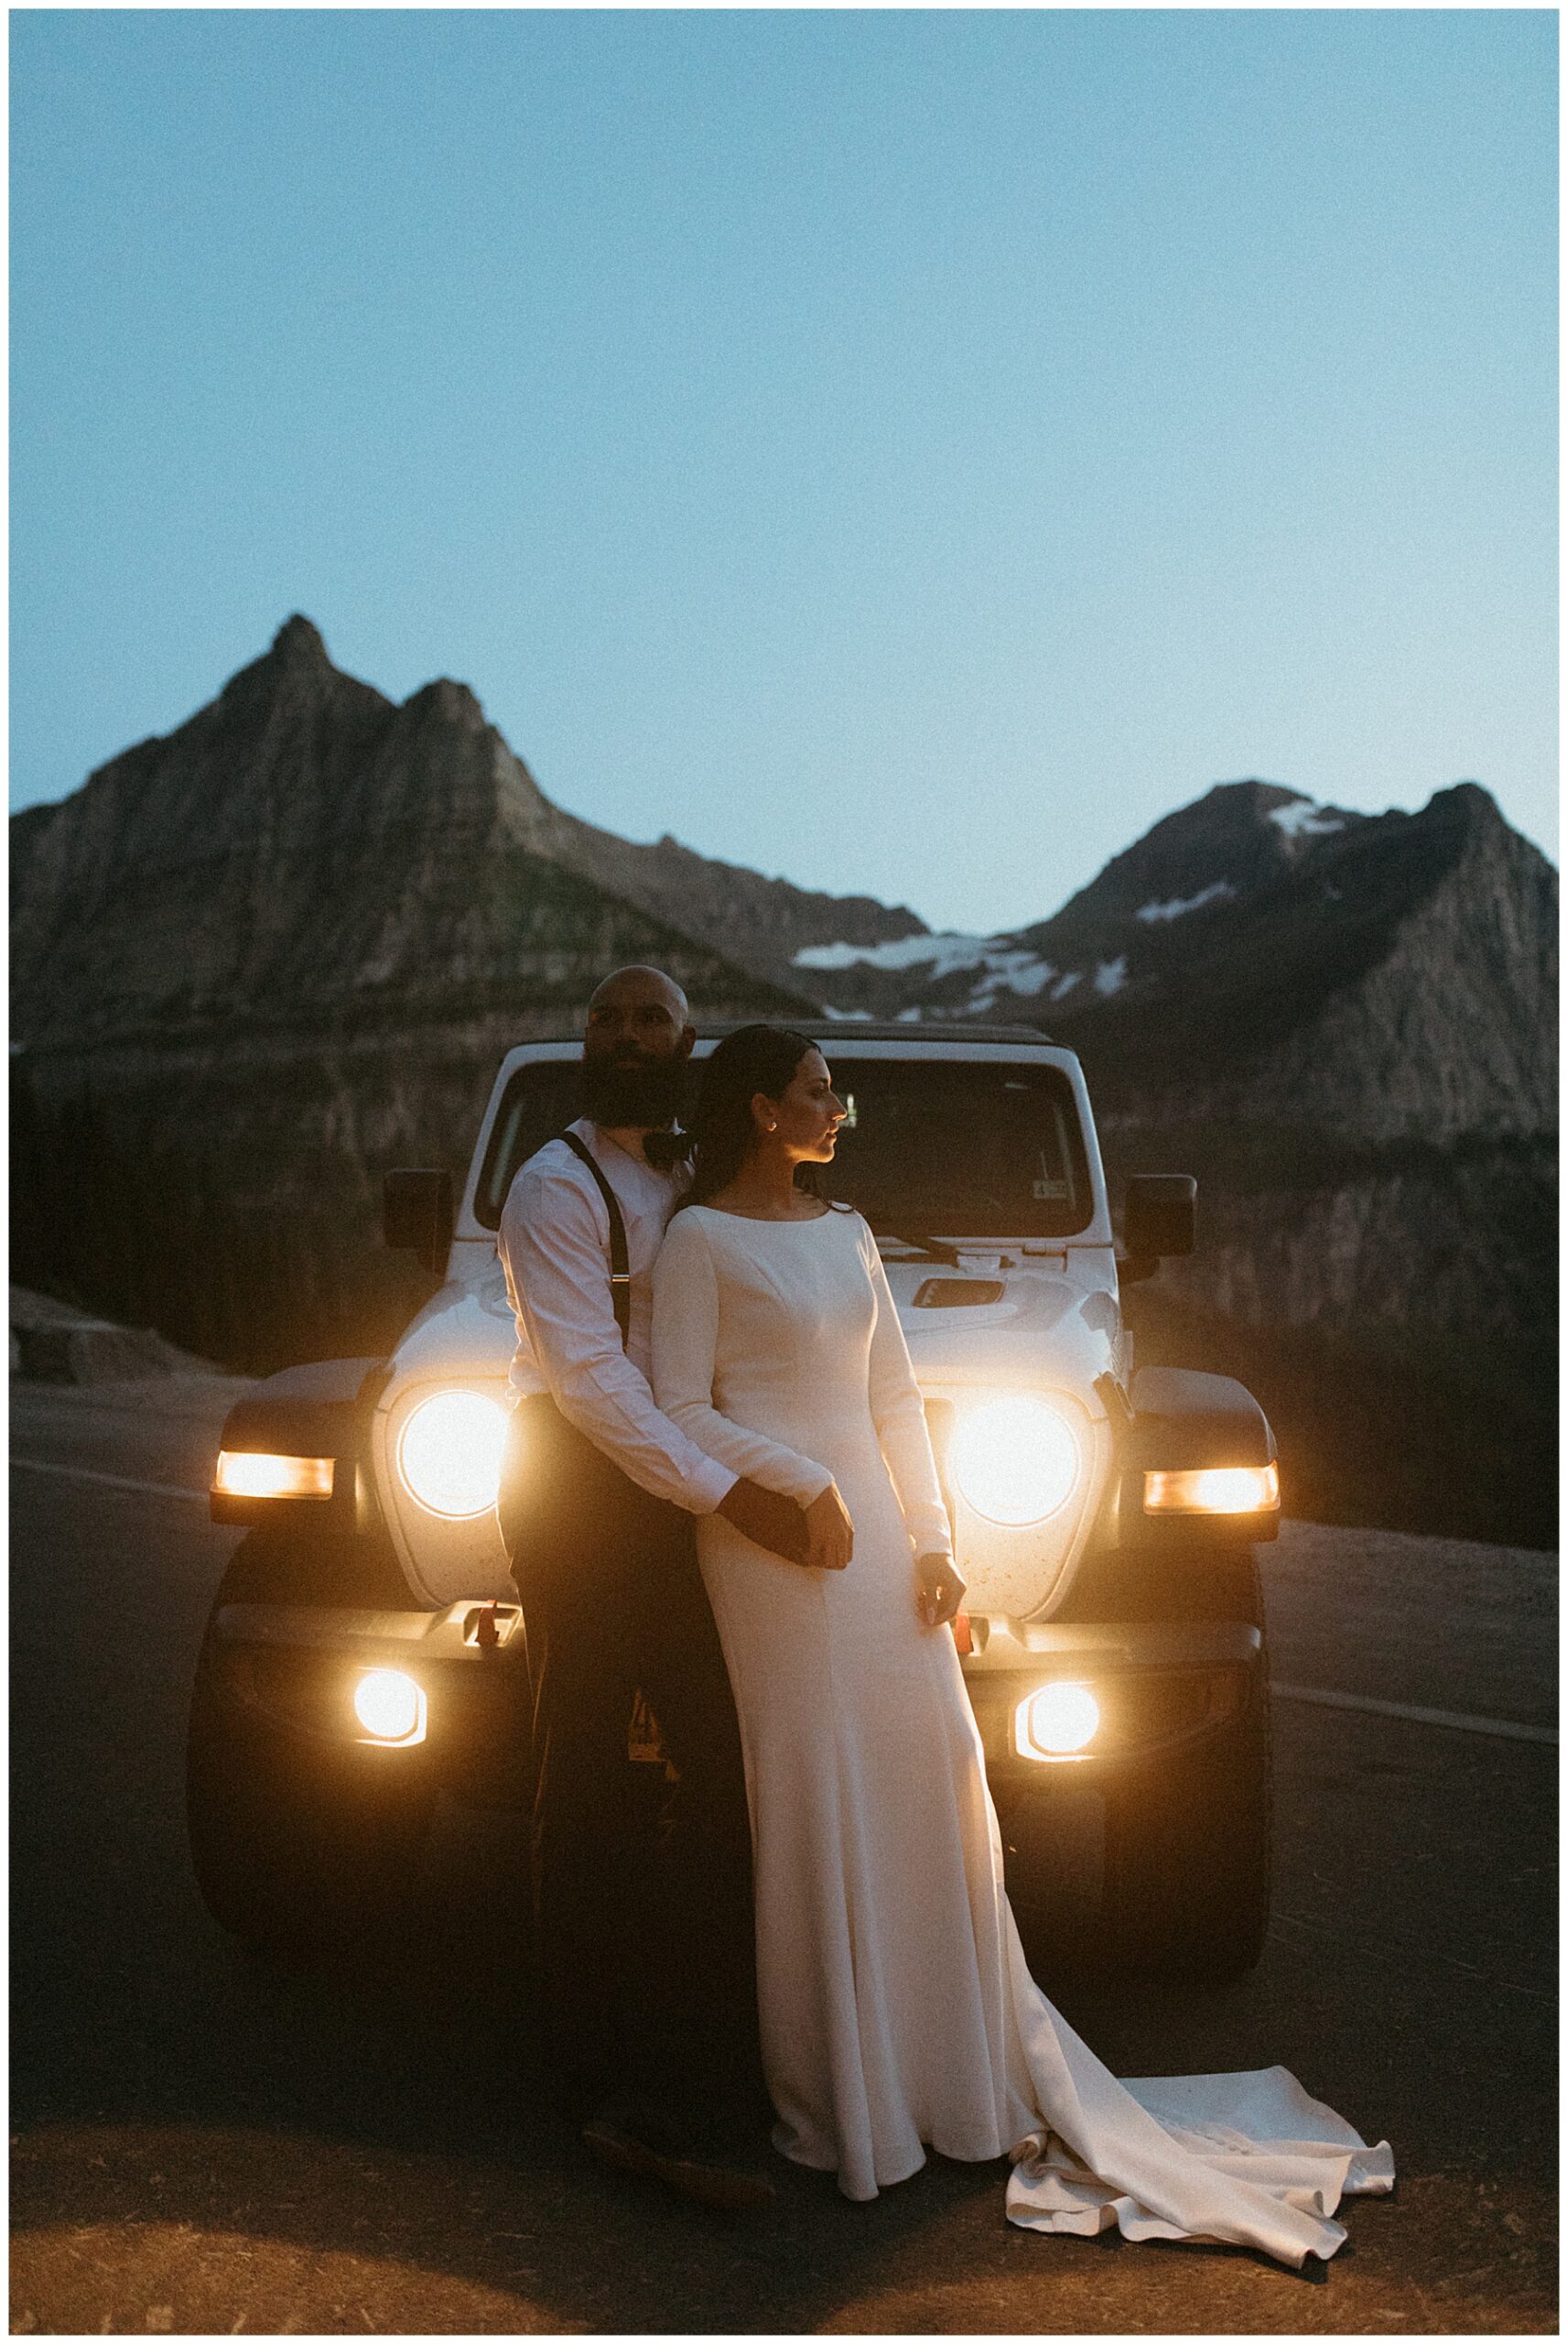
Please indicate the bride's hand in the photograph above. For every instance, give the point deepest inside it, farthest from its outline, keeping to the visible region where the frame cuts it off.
(830, 1532)
(938, 1588)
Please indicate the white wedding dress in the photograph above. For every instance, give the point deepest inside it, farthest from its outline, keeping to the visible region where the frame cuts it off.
(896, 2008)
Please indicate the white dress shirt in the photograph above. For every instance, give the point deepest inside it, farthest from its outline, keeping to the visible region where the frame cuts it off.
(554, 1243)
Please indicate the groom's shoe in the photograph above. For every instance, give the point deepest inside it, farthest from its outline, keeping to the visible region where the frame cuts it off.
(637, 2138)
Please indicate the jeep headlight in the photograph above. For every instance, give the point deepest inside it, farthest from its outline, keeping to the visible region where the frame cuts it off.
(1014, 1459)
(449, 1453)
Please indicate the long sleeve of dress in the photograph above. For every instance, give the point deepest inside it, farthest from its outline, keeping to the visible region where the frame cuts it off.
(685, 1335)
(899, 1413)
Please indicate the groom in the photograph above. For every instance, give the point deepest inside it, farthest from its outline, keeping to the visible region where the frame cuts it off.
(650, 2015)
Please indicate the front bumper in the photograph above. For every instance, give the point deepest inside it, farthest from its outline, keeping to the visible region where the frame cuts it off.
(290, 1671)
(1162, 1690)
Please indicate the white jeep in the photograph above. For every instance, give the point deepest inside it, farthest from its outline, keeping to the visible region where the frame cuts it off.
(365, 1652)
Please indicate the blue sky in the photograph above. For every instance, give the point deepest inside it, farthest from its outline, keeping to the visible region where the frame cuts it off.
(907, 452)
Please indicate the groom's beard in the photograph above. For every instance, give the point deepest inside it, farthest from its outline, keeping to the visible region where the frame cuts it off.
(644, 1097)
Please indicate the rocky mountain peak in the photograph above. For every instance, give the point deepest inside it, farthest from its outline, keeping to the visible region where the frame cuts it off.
(299, 640)
(1469, 805)
(295, 672)
(1235, 837)
(446, 702)
(303, 847)
(295, 654)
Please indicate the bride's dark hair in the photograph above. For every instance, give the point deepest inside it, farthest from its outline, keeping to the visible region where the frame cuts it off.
(722, 1132)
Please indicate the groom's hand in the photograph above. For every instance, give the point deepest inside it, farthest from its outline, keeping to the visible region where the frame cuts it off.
(767, 1520)
(832, 1534)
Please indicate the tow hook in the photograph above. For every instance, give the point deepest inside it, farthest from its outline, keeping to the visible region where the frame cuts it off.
(480, 1626)
(1116, 1406)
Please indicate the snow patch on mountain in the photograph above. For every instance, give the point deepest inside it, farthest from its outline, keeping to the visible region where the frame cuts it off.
(1015, 971)
(1216, 892)
(936, 955)
(1000, 968)
(1112, 976)
(1304, 819)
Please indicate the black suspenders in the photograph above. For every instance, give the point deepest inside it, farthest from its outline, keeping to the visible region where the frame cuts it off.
(620, 1264)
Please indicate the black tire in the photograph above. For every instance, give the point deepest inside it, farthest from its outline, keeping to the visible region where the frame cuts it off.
(297, 1846)
(1188, 1856)
(1188, 1846)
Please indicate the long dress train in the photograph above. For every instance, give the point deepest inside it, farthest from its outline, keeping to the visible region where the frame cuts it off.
(896, 2007)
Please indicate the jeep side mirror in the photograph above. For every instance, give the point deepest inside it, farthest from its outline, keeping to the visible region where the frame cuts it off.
(1161, 1216)
(417, 1212)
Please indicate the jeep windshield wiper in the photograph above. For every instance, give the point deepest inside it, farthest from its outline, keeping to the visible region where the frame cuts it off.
(929, 1249)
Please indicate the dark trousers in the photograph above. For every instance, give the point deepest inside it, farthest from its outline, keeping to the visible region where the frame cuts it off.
(643, 1907)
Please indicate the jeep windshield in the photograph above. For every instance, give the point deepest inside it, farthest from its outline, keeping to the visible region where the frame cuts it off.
(931, 1148)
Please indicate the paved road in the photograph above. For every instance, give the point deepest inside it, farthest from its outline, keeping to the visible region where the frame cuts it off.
(203, 2145)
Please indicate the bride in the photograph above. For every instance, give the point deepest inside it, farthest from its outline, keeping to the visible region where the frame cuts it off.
(896, 2008)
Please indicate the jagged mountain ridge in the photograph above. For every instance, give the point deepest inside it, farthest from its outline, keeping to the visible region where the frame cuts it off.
(1394, 974)
(303, 846)
(304, 849)
(1397, 979)
(1215, 851)
(761, 924)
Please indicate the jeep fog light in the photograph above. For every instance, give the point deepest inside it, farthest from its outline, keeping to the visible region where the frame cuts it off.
(449, 1453)
(1057, 1722)
(1014, 1459)
(389, 1706)
(253, 1473)
(1213, 1489)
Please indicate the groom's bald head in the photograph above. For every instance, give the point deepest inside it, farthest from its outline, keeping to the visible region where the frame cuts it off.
(638, 1012)
(640, 994)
